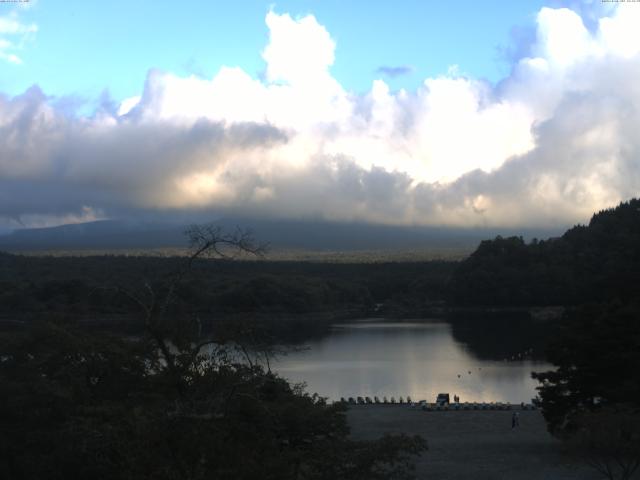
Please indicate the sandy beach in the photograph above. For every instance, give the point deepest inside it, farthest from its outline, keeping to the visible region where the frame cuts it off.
(474, 444)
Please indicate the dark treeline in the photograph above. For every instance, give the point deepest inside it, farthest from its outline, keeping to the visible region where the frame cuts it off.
(284, 294)
(588, 263)
(597, 262)
(295, 300)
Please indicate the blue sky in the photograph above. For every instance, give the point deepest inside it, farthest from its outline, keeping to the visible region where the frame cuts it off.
(82, 48)
(500, 113)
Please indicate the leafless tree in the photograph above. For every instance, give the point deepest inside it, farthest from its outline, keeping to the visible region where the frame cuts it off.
(180, 345)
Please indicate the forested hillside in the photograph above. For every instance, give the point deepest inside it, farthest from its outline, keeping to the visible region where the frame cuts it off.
(588, 263)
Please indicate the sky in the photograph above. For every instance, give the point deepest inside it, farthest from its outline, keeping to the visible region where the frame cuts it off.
(407, 112)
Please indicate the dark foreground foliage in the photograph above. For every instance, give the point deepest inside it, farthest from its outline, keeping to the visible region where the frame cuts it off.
(76, 405)
(592, 399)
(609, 441)
(597, 354)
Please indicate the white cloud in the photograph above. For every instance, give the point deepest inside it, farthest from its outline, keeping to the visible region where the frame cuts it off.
(562, 37)
(620, 33)
(554, 141)
(11, 26)
(128, 104)
(10, 57)
(299, 51)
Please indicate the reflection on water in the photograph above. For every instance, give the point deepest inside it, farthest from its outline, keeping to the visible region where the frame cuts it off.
(370, 358)
(499, 335)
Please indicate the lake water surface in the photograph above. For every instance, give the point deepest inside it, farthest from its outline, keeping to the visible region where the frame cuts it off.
(419, 359)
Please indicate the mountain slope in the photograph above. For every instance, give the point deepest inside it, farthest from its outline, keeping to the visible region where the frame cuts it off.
(280, 234)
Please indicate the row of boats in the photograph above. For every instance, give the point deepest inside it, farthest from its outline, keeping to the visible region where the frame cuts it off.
(424, 405)
(477, 406)
(376, 400)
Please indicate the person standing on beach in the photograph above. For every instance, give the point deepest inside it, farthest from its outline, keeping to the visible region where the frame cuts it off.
(515, 420)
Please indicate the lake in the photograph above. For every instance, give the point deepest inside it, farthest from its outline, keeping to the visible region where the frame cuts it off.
(420, 359)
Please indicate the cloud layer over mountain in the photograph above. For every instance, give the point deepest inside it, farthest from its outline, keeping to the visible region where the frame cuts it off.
(553, 141)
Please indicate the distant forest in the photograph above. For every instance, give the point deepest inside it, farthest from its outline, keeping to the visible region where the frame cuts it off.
(588, 263)
(86, 288)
